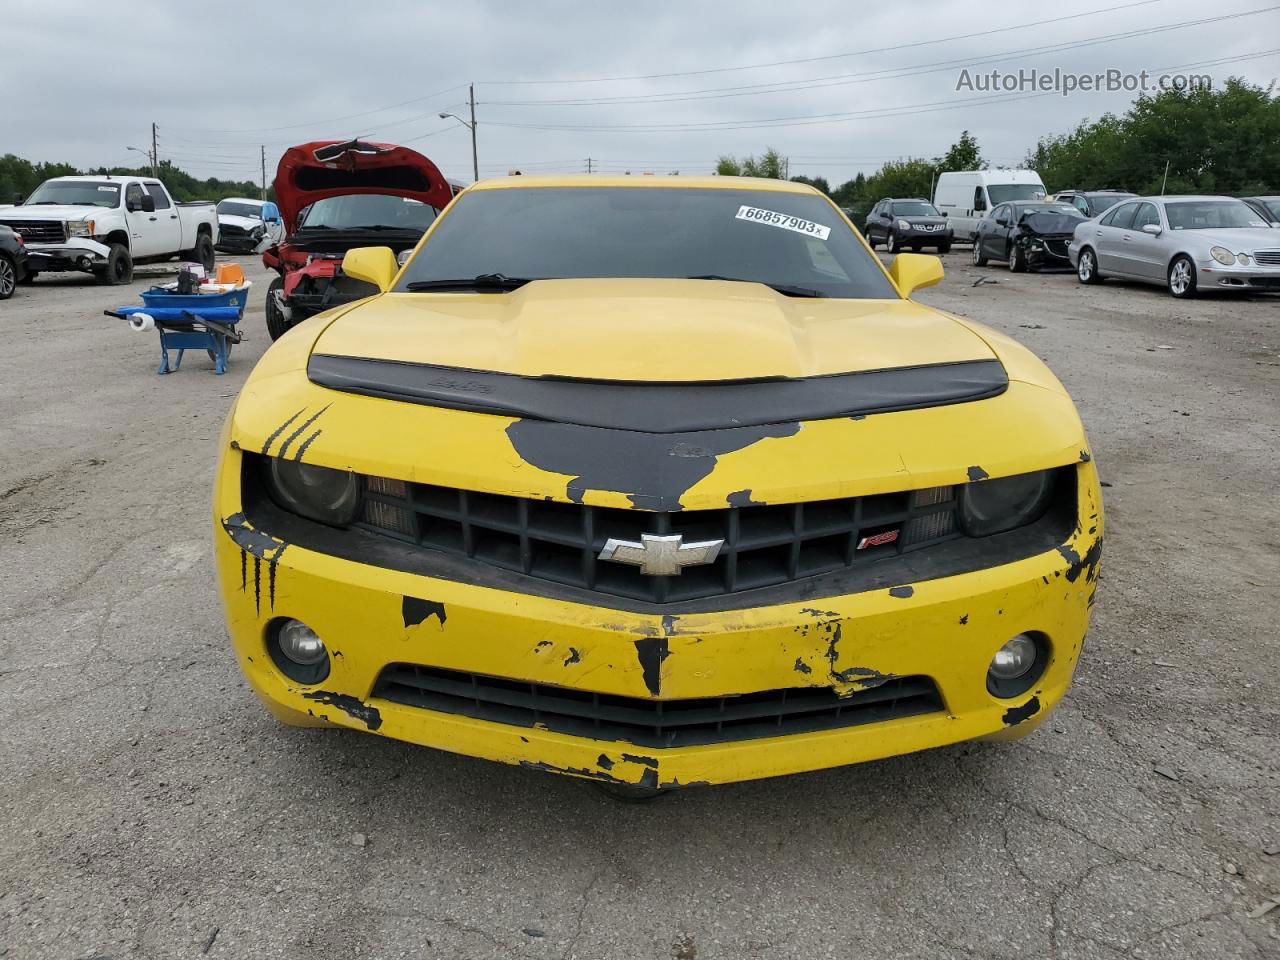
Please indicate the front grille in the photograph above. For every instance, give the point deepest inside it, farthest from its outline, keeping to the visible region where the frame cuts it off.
(38, 231)
(1057, 248)
(764, 545)
(230, 230)
(653, 723)
(1268, 258)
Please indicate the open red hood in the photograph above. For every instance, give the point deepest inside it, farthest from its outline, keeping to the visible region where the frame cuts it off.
(336, 168)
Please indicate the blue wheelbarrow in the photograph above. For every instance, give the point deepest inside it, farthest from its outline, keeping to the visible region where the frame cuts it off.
(195, 321)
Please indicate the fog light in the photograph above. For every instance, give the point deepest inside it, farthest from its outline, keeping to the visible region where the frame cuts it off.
(303, 645)
(1018, 665)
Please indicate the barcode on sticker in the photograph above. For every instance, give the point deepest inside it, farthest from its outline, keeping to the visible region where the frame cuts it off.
(784, 220)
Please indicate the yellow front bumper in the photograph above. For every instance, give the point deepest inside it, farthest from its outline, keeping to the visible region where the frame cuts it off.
(946, 629)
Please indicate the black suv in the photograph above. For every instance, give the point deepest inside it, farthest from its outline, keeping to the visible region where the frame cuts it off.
(13, 261)
(907, 222)
(1092, 203)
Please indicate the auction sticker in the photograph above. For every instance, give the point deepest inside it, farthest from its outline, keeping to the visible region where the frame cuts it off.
(783, 220)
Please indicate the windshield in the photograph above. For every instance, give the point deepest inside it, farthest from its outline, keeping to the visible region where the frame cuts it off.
(78, 193)
(1211, 215)
(1004, 192)
(235, 208)
(1102, 202)
(784, 239)
(915, 208)
(374, 210)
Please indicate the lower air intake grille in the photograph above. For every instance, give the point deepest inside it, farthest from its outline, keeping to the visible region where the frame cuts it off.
(653, 723)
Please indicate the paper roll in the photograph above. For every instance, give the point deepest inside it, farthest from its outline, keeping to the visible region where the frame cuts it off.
(142, 321)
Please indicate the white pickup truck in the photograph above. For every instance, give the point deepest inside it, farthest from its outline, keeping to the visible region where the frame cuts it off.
(104, 225)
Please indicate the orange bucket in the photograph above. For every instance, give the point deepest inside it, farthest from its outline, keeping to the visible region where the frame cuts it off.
(229, 273)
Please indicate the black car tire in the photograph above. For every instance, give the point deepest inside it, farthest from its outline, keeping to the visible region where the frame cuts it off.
(1181, 277)
(1087, 267)
(979, 258)
(1017, 259)
(944, 248)
(119, 268)
(8, 276)
(895, 245)
(202, 253)
(871, 241)
(277, 325)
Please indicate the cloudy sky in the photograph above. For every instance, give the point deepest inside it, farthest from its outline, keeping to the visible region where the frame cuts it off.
(640, 87)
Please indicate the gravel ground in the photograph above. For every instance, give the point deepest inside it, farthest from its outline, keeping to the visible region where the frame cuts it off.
(151, 808)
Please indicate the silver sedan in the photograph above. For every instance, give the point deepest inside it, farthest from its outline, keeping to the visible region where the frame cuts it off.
(1187, 244)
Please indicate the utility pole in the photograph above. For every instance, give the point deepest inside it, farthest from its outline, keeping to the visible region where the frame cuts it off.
(475, 159)
(588, 164)
(263, 149)
(1165, 182)
(155, 154)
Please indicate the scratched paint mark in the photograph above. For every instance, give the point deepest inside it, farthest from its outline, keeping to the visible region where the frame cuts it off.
(976, 474)
(1015, 715)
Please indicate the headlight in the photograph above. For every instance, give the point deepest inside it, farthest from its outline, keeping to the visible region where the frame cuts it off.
(994, 506)
(319, 493)
(1243, 259)
(903, 225)
(80, 228)
(1222, 255)
(258, 232)
(1037, 244)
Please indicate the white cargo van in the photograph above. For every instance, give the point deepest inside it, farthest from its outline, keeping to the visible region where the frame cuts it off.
(964, 197)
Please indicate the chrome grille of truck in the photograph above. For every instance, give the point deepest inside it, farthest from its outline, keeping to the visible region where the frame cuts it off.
(38, 231)
(1268, 258)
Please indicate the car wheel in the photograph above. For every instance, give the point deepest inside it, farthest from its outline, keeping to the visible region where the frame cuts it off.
(277, 325)
(979, 258)
(1017, 259)
(8, 277)
(1087, 267)
(203, 253)
(871, 241)
(895, 245)
(1182, 277)
(944, 248)
(119, 268)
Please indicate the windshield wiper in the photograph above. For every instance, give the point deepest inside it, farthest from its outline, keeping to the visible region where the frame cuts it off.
(783, 288)
(485, 281)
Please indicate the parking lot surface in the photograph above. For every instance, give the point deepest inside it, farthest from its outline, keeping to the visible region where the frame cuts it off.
(153, 809)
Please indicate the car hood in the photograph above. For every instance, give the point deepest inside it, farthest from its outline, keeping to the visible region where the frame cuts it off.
(1235, 240)
(244, 223)
(54, 212)
(650, 330)
(336, 168)
(1049, 224)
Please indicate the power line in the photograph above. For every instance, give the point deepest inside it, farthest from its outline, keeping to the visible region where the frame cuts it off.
(833, 56)
(889, 73)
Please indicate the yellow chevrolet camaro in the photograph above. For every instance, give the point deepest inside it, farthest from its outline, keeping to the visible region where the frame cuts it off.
(657, 482)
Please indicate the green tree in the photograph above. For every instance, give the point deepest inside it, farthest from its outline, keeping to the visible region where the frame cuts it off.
(728, 166)
(819, 182)
(963, 155)
(770, 164)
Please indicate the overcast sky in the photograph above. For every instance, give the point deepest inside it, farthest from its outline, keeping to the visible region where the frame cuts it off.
(83, 81)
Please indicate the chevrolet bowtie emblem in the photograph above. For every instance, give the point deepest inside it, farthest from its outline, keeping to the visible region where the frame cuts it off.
(659, 556)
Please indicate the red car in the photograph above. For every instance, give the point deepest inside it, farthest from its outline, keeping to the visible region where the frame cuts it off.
(335, 195)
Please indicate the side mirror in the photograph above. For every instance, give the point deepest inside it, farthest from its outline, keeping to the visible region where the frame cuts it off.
(914, 271)
(944, 213)
(376, 265)
(148, 203)
(18, 199)
(1152, 228)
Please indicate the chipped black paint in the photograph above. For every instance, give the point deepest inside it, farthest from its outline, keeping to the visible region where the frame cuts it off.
(542, 643)
(415, 611)
(651, 651)
(575, 771)
(1084, 456)
(573, 657)
(669, 624)
(865, 677)
(964, 620)
(602, 761)
(1015, 715)
(352, 706)
(976, 474)
(1088, 564)
(654, 470)
(651, 762)
(742, 498)
(262, 547)
(801, 666)
(901, 592)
